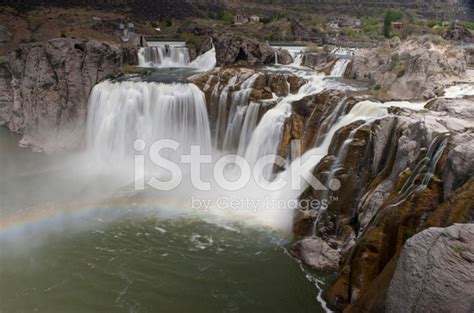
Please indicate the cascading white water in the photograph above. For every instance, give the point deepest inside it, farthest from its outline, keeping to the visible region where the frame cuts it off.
(172, 56)
(237, 113)
(266, 138)
(296, 52)
(249, 125)
(206, 61)
(121, 112)
(222, 112)
(164, 56)
(339, 68)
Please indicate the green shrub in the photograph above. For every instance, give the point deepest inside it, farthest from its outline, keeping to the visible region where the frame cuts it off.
(390, 16)
(191, 39)
(371, 28)
(433, 23)
(469, 25)
(226, 16)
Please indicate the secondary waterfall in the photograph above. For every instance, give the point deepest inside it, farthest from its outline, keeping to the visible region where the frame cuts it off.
(296, 52)
(164, 56)
(237, 113)
(339, 68)
(249, 125)
(120, 113)
(171, 56)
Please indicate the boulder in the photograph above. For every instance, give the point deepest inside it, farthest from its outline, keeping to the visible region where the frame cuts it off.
(317, 254)
(435, 272)
(235, 49)
(322, 60)
(284, 57)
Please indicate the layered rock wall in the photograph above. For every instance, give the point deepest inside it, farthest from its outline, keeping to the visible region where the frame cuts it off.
(45, 88)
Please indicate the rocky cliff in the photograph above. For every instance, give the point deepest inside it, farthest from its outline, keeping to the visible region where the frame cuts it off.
(45, 87)
(398, 175)
(434, 272)
(414, 69)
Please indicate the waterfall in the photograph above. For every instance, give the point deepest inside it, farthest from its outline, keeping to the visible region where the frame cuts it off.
(296, 52)
(339, 68)
(297, 59)
(119, 113)
(266, 138)
(206, 61)
(169, 56)
(340, 158)
(236, 115)
(419, 178)
(164, 56)
(329, 121)
(222, 112)
(249, 125)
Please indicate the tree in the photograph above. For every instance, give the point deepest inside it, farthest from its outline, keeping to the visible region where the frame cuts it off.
(390, 17)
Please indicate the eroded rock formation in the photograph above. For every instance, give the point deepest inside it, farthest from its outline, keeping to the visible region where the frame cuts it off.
(398, 175)
(414, 69)
(234, 49)
(434, 272)
(45, 88)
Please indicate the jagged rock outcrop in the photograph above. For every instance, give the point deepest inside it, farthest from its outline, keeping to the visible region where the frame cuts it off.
(458, 32)
(435, 272)
(284, 57)
(235, 49)
(413, 69)
(322, 60)
(46, 86)
(317, 254)
(304, 33)
(130, 55)
(398, 175)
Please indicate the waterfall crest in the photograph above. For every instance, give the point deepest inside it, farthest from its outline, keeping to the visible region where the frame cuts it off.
(164, 56)
(120, 113)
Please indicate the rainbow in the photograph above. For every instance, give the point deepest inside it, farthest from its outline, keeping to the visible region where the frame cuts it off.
(34, 219)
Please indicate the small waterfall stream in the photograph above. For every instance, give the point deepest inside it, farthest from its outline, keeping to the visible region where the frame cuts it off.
(339, 68)
(237, 113)
(419, 178)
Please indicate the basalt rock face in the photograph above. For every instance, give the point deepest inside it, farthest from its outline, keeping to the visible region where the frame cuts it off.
(46, 87)
(234, 49)
(395, 176)
(435, 272)
(414, 69)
